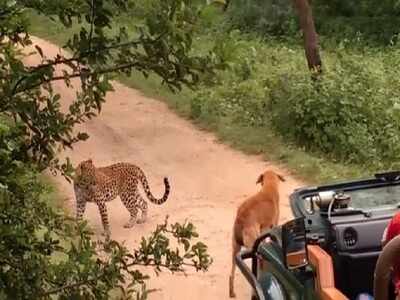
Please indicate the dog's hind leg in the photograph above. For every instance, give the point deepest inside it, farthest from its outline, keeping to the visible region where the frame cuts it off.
(250, 235)
(235, 251)
(276, 221)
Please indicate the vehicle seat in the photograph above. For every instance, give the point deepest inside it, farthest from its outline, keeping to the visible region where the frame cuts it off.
(324, 281)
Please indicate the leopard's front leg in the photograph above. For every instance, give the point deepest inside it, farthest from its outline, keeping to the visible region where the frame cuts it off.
(80, 202)
(104, 218)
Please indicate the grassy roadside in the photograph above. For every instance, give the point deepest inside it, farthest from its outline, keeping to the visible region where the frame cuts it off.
(51, 194)
(311, 168)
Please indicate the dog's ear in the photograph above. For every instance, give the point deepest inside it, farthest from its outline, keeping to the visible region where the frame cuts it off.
(281, 177)
(260, 179)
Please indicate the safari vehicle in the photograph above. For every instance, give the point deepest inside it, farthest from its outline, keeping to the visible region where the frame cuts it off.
(330, 250)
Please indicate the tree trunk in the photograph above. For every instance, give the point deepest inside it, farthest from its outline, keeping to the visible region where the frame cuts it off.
(226, 4)
(310, 35)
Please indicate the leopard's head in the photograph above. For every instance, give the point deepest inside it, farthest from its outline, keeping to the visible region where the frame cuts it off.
(85, 173)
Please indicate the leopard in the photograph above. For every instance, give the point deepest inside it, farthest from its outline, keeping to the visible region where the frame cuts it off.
(100, 185)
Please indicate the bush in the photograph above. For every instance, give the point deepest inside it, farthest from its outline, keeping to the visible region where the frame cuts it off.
(241, 103)
(43, 253)
(273, 17)
(238, 94)
(375, 22)
(352, 114)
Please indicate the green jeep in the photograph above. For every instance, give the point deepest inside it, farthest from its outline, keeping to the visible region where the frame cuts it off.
(330, 250)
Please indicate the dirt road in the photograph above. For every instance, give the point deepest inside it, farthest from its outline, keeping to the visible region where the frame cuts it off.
(208, 181)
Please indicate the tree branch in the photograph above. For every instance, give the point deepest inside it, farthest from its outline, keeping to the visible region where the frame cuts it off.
(153, 264)
(94, 51)
(91, 24)
(69, 286)
(77, 59)
(74, 75)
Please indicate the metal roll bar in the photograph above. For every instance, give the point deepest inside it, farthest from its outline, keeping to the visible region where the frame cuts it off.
(251, 278)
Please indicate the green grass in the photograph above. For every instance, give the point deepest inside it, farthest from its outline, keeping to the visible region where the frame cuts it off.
(310, 167)
(260, 141)
(51, 195)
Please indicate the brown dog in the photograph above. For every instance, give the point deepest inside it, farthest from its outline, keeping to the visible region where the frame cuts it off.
(255, 214)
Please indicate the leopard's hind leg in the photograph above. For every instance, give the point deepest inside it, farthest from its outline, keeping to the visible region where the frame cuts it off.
(143, 206)
(130, 200)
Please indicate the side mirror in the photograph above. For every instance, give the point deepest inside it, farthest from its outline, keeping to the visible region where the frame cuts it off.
(294, 244)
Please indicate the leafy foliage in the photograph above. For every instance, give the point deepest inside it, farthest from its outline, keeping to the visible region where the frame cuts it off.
(347, 115)
(350, 115)
(271, 17)
(375, 22)
(43, 253)
(254, 103)
(160, 43)
(33, 235)
(243, 100)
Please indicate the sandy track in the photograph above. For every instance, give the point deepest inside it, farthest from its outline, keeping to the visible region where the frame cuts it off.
(208, 181)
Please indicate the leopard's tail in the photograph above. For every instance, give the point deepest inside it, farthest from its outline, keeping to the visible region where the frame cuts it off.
(150, 196)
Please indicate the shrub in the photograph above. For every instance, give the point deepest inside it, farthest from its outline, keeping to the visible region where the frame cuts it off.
(274, 17)
(351, 114)
(241, 103)
(43, 253)
(238, 94)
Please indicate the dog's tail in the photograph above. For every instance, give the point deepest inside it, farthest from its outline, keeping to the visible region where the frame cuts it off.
(235, 250)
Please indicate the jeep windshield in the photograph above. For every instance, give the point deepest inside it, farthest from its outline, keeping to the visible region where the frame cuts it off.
(379, 193)
(375, 197)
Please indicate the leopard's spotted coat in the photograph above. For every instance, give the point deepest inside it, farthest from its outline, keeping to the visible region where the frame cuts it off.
(100, 185)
